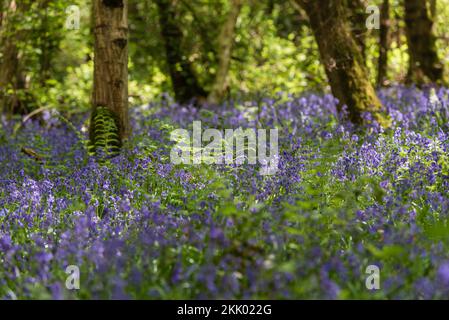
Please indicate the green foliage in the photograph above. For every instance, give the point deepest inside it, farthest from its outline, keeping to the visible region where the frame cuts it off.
(274, 50)
(105, 140)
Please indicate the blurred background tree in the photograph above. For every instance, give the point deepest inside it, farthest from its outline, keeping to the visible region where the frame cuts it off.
(424, 64)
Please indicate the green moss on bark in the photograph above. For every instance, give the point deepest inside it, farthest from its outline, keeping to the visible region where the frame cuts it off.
(343, 60)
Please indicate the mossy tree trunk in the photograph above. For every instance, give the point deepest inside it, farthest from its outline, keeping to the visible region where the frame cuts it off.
(342, 59)
(111, 63)
(357, 18)
(225, 45)
(424, 65)
(184, 81)
(384, 44)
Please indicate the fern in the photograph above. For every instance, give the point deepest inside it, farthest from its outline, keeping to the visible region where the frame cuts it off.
(105, 139)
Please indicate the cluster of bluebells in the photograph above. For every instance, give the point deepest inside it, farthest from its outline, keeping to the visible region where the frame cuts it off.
(137, 226)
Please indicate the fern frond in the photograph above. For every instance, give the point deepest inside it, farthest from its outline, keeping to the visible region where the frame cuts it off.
(105, 139)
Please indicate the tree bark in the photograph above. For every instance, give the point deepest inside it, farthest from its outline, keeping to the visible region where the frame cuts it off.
(357, 18)
(111, 62)
(225, 45)
(185, 83)
(2, 13)
(10, 77)
(424, 65)
(384, 43)
(8, 71)
(49, 43)
(342, 60)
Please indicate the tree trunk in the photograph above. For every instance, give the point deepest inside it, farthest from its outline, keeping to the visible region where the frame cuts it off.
(357, 18)
(342, 59)
(424, 65)
(384, 43)
(8, 71)
(225, 44)
(185, 83)
(49, 43)
(9, 66)
(110, 92)
(2, 13)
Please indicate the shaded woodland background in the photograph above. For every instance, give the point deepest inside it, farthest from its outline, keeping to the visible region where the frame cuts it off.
(208, 50)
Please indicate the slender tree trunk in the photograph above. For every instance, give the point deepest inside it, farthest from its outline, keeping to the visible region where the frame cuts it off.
(110, 90)
(2, 13)
(225, 44)
(184, 81)
(49, 43)
(342, 59)
(424, 64)
(384, 43)
(357, 18)
(9, 66)
(8, 71)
